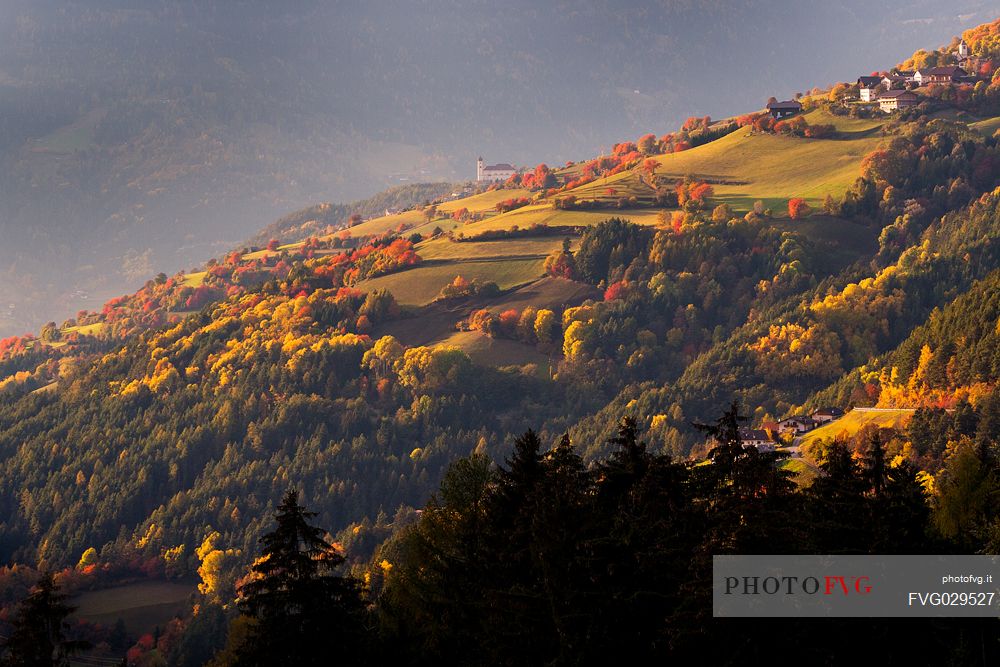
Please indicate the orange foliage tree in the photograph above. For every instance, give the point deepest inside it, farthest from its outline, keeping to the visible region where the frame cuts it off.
(798, 208)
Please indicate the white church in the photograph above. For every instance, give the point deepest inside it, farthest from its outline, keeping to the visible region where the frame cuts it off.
(493, 172)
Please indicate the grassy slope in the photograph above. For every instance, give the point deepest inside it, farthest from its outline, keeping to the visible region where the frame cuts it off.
(855, 420)
(498, 352)
(625, 184)
(484, 201)
(87, 329)
(773, 169)
(749, 168)
(987, 127)
(387, 223)
(142, 606)
(442, 248)
(421, 285)
(195, 279)
(744, 167)
(480, 203)
(544, 214)
(804, 471)
(435, 324)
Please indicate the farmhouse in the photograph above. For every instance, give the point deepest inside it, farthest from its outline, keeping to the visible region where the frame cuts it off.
(897, 80)
(752, 437)
(949, 74)
(867, 86)
(893, 100)
(782, 109)
(824, 415)
(493, 172)
(796, 425)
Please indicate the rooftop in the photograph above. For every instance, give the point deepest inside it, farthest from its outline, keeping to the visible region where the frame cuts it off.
(787, 104)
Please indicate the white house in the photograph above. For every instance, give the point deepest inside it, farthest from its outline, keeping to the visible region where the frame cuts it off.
(867, 86)
(824, 415)
(893, 100)
(493, 172)
(752, 437)
(796, 425)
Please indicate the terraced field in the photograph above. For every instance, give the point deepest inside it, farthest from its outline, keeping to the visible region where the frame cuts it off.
(442, 248)
(545, 214)
(626, 184)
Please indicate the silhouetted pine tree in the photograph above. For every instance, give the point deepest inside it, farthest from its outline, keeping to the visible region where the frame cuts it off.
(433, 603)
(838, 509)
(38, 634)
(645, 529)
(559, 521)
(300, 612)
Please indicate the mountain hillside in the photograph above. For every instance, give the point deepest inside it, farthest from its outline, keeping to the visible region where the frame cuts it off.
(139, 137)
(840, 257)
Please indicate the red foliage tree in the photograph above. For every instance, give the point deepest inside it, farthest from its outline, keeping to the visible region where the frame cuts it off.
(508, 322)
(798, 208)
(616, 290)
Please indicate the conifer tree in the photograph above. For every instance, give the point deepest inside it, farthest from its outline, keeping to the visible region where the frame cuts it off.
(301, 613)
(38, 636)
(839, 509)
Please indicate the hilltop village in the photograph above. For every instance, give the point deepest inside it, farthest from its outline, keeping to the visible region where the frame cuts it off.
(941, 81)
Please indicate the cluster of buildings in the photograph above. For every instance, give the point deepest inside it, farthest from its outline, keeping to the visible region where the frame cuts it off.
(894, 90)
(769, 434)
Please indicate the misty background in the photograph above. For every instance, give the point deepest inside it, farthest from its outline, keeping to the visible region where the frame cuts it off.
(147, 136)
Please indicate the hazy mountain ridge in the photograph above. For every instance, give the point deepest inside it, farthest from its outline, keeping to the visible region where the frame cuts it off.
(145, 138)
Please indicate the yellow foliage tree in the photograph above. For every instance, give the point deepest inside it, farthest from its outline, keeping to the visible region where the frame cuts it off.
(89, 557)
(217, 580)
(791, 350)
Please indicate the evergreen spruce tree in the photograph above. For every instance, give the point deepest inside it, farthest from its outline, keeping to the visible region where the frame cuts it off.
(300, 612)
(561, 517)
(38, 634)
(838, 507)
